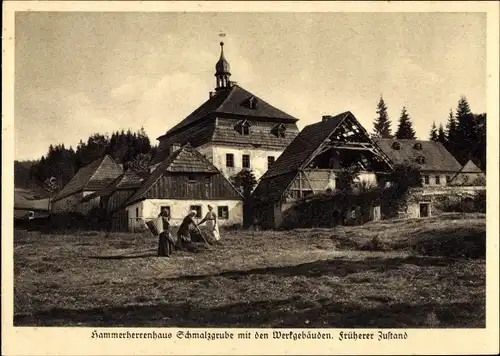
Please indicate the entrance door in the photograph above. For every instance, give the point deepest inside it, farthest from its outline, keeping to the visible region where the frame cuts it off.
(424, 210)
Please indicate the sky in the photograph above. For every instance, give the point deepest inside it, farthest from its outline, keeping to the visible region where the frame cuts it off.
(78, 73)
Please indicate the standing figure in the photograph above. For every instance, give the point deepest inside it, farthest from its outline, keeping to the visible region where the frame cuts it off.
(183, 234)
(212, 225)
(165, 245)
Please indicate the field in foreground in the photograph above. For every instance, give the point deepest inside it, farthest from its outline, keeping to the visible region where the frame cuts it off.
(377, 275)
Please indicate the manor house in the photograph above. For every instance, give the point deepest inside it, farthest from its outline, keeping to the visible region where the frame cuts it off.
(234, 129)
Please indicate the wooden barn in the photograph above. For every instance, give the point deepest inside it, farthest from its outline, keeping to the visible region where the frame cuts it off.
(311, 163)
(88, 180)
(183, 182)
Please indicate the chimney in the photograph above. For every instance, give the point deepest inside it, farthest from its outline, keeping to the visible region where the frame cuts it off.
(326, 118)
(211, 94)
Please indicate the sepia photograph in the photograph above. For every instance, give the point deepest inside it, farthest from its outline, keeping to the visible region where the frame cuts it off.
(218, 169)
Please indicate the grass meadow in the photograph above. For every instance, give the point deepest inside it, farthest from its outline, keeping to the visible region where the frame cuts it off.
(422, 273)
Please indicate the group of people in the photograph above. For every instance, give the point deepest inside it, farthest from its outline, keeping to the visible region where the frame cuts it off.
(167, 244)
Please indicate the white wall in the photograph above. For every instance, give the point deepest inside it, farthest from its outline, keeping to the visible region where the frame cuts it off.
(150, 208)
(258, 158)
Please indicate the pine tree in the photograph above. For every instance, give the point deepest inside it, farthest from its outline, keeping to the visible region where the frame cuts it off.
(433, 135)
(451, 129)
(382, 124)
(405, 127)
(441, 136)
(466, 139)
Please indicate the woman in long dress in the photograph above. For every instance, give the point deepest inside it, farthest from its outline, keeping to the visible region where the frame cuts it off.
(165, 245)
(212, 225)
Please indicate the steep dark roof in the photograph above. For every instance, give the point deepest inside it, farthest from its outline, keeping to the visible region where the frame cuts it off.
(94, 176)
(185, 160)
(276, 180)
(304, 145)
(437, 157)
(232, 101)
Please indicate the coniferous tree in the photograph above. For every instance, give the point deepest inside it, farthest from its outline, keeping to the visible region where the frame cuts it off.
(466, 140)
(433, 134)
(441, 136)
(382, 124)
(405, 126)
(451, 131)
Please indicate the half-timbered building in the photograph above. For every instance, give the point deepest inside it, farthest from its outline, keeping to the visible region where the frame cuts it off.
(183, 182)
(234, 129)
(312, 162)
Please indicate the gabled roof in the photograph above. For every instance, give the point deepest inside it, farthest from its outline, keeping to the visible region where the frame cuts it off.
(232, 101)
(94, 176)
(299, 153)
(304, 145)
(128, 180)
(470, 167)
(185, 160)
(437, 157)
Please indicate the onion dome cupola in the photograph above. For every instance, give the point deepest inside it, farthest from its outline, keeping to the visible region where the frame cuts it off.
(222, 71)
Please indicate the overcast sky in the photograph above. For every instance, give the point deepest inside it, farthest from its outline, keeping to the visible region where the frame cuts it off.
(79, 73)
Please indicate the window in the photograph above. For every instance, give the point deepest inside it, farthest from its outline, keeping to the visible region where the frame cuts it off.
(245, 130)
(245, 161)
(417, 146)
(448, 179)
(223, 212)
(196, 208)
(420, 160)
(137, 213)
(270, 161)
(438, 180)
(229, 160)
(279, 130)
(426, 179)
(282, 133)
(191, 178)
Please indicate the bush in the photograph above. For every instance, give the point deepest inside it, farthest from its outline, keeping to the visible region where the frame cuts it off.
(456, 203)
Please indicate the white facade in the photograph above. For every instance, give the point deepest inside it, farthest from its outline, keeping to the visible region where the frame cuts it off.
(258, 158)
(149, 209)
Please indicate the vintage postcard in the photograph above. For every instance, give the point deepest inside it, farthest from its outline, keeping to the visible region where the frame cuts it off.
(250, 178)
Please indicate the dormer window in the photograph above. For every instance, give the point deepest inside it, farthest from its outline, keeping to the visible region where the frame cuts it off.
(420, 160)
(396, 145)
(252, 103)
(417, 146)
(280, 130)
(243, 128)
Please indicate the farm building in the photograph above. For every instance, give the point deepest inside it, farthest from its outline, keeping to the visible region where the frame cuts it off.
(234, 129)
(25, 208)
(469, 175)
(312, 162)
(441, 174)
(88, 180)
(183, 182)
(436, 164)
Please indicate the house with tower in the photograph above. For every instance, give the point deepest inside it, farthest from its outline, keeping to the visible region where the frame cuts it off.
(234, 129)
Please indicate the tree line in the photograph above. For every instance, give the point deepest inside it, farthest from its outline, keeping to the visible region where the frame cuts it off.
(126, 147)
(464, 133)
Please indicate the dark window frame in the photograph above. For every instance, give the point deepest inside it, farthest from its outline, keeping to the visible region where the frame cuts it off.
(230, 159)
(220, 212)
(270, 161)
(244, 159)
